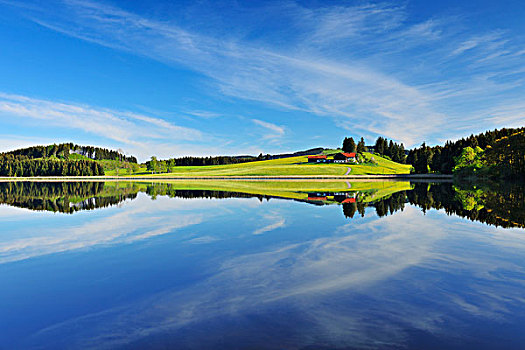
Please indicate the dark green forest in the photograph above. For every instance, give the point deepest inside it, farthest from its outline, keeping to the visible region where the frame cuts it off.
(70, 197)
(22, 166)
(55, 160)
(497, 153)
(63, 150)
(492, 154)
(390, 149)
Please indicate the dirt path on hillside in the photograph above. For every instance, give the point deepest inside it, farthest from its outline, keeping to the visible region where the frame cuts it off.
(348, 171)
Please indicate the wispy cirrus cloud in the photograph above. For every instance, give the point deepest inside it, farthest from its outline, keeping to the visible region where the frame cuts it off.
(276, 131)
(137, 131)
(302, 81)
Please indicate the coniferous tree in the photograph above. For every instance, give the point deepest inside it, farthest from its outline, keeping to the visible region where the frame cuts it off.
(349, 145)
(379, 146)
(361, 148)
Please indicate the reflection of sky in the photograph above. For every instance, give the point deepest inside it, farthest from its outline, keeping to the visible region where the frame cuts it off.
(280, 273)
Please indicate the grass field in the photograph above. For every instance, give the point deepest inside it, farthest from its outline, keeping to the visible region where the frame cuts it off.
(298, 166)
(110, 166)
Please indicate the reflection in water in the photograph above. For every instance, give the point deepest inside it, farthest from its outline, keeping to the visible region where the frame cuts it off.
(500, 204)
(186, 272)
(503, 206)
(63, 197)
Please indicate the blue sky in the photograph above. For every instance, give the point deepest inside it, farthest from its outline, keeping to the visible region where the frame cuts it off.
(208, 77)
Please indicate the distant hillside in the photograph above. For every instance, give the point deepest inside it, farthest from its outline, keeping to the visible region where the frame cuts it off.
(164, 165)
(64, 150)
(285, 166)
(308, 152)
(65, 159)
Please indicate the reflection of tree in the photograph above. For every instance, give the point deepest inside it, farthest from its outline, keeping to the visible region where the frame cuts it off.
(166, 189)
(391, 204)
(64, 197)
(499, 205)
(349, 209)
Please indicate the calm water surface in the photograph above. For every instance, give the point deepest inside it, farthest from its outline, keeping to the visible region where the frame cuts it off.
(147, 270)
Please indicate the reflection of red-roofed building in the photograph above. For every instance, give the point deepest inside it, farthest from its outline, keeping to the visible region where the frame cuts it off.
(349, 200)
(317, 198)
(316, 159)
(345, 157)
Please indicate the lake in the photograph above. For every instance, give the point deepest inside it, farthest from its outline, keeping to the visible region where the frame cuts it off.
(252, 265)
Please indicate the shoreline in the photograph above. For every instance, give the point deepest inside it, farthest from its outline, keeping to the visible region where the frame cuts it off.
(373, 177)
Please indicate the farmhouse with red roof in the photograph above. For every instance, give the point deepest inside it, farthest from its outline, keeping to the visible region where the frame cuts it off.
(345, 157)
(317, 159)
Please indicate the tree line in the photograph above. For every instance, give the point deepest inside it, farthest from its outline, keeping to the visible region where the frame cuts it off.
(63, 151)
(497, 204)
(383, 147)
(166, 166)
(502, 150)
(390, 149)
(167, 189)
(57, 160)
(349, 145)
(24, 167)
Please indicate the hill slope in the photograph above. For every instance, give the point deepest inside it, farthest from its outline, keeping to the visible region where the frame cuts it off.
(291, 166)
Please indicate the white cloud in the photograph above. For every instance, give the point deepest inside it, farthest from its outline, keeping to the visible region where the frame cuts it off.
(10, 142)
(134, 130)
(277, 131)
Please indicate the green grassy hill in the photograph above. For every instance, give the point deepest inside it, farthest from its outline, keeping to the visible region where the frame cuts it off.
(297, 166)
(292, 189)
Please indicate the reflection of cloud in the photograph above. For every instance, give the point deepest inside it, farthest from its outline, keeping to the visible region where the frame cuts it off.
(135, 223)
(405, 271)
(278, 223)
(202, 240)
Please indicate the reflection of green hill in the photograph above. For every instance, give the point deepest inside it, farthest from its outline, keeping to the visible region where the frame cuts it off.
(283, 189)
